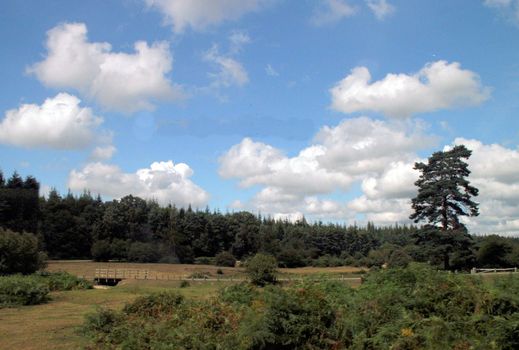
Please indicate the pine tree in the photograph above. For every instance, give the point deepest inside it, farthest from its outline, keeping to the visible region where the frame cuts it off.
(444, 193)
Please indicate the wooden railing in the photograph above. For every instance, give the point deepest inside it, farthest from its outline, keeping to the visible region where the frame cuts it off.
(495, 270)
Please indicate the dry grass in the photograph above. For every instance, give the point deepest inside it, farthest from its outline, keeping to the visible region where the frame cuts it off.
(310, 270)
(55, 325)
(86, 268)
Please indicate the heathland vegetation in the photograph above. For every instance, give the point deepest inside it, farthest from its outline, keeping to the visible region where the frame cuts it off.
(410, 299)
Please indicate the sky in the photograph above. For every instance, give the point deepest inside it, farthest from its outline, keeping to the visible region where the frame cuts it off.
(314, 108)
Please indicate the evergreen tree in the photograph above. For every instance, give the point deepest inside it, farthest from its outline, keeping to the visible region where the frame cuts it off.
(444, 193)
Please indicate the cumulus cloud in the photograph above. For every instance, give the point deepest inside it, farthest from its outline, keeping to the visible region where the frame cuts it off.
(164, 182)
(116, 80)
(201, 14)
(355, 150)
(230, 71)
(331, 11)
(495, 172)
(271, 71)
(381, 8)
(438, 85)
(509, 9)
(103, 152)
(59, 123)
(379, 156)
(260, 164)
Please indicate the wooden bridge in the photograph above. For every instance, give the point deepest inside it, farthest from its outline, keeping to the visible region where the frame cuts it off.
(112, 277)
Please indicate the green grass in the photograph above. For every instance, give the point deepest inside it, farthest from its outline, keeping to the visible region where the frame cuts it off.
(54, 325)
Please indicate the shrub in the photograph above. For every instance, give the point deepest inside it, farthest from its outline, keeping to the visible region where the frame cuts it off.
(204, 260)
(63, 281)
(290, 257)
(154, 305)
(143, 253)
(262, 269)
(184, 284)
(199, 275)
(22, 290)
(240, 294)
(225, 258)
(219, 272)
(19, 253)
(101, 250)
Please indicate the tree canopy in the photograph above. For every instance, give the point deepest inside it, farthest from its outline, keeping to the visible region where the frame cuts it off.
(444, 193)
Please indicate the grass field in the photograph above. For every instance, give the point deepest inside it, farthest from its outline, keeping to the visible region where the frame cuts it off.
(55, 325)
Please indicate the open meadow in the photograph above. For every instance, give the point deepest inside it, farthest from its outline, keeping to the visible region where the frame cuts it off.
(54, 325)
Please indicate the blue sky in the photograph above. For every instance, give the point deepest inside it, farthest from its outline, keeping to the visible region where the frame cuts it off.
(290, 108)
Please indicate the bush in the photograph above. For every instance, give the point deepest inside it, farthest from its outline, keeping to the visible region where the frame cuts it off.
(184, 284)
(101, 250)
(22, 290)
(240, 294)
(200, 275)
(19, 253)
(204, 260)
(62, 281)
(154, 305)
(262, 269)
(225, 259)
(399, 308)
(143, 253)
(290, 257)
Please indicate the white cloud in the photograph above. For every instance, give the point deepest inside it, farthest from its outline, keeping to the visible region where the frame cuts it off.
(58, 123)
(103, 152)
(331, 11)
(380, 157)
(509, 9)
(363, 145)
(201, 14)
(260, 164)
(495, 172)
(439, 85)
(271, 71)
(381, 8)
(230, 71)
(116, 80)
(237, 40)
(355, 150)
(497, 3)
(162, 181)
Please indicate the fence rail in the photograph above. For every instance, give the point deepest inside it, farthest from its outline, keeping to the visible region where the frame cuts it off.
(123, 274)
(475, 270)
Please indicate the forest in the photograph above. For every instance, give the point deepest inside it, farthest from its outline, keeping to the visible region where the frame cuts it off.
(137, 230)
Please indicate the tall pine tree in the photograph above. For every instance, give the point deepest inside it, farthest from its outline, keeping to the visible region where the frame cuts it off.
(444, 193)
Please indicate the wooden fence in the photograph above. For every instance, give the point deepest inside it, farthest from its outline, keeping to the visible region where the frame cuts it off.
(123, 274)
(475, 270)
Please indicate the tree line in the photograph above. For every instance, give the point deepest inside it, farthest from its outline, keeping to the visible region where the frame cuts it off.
(133, 229)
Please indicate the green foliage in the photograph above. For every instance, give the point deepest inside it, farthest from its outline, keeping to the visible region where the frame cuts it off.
(262, 269)
(225, 258)
(205, 260)
(199, 275)
(101, 250)
(494, 251)
(444, 193)
(143, 252)
(184, 284)
(240, 294)
(62, 281)
(19, 253)
(154, 305)
(18, 290)
(397, 308)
